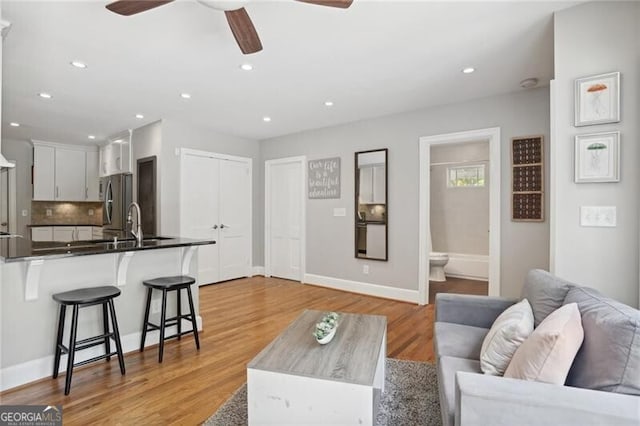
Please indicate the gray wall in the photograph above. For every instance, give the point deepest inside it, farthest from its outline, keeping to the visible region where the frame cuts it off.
(182, 135)
(22, 153)
(146, 142)
(330, 240)
(591, 39)
(459, 216)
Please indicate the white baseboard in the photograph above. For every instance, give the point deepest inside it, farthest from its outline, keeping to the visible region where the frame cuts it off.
(257, 270)
(369, 289)
(40, 368)
(468, 266)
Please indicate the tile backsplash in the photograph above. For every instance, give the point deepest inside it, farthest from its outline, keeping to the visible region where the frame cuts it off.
(66, 213)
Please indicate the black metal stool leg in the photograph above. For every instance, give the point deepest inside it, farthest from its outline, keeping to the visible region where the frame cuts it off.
(116, 335)
(58, 352)
(179, 303)
(72, 350)
(105, 326)
(163, 317)
(193, 318)
(146, 319)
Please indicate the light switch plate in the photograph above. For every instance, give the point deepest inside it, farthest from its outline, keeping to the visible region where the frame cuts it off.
(90, 212)
(598, 216)
(340, 211)
(49, 212)
(25, 213)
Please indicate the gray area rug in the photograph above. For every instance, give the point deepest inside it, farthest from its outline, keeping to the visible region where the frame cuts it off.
(410, 398)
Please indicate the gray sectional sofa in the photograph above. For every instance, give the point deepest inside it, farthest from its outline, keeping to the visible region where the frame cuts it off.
(603, 386)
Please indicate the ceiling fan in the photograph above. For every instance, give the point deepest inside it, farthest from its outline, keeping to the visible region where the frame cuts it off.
(237, 16)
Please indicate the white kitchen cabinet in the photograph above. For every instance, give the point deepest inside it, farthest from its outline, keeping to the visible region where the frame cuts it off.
(91, 176)
(96, 233)
(42, 233)
(115, 156)
(64, 233)
(84, 233)
(44, 185)
(379, 181)
(65, 172)
(376, 241)
(372, 185)
(70, 175)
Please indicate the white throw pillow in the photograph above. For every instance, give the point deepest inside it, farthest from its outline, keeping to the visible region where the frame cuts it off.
(547, 355)
(507, 333)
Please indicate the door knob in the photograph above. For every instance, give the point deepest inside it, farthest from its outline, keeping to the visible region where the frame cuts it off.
(222, 226)
(215, 226)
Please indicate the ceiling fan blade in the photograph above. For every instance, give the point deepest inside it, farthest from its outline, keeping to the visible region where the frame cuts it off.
(243, 30)
(131, 7)
(343, 4)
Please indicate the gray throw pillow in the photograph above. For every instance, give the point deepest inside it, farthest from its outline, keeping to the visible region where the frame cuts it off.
(544, 292)
(609, 359)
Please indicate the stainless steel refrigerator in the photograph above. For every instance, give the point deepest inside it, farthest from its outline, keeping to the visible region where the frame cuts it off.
(116, 195)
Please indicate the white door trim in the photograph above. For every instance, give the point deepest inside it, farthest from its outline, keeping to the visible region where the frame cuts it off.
(493, 136)
(249, 161)
(267, 213)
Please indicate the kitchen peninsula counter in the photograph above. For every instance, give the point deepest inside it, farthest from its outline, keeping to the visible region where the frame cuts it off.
(32, 271)
(21, 249)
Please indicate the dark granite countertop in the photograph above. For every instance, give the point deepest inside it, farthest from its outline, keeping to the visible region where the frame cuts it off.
(20, 249)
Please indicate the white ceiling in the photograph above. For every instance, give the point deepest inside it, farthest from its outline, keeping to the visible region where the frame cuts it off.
(375, 58)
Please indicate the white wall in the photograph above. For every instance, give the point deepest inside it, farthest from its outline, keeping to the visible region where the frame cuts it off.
(146, 141)
(459, 216)
(330, 240)
(591, 39)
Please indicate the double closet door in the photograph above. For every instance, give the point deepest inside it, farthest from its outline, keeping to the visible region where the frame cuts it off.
(216, 204)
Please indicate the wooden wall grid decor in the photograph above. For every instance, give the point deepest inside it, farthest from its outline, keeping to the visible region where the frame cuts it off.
(527, 177)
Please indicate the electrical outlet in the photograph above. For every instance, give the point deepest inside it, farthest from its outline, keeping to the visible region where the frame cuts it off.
(90, 212)
(49, 212)
(25, 213)
(156, 305)
(365, 269)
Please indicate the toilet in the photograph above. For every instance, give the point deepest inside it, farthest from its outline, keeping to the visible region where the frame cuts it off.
(437, 261)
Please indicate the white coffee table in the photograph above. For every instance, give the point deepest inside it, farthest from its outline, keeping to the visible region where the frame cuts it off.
(297, 381)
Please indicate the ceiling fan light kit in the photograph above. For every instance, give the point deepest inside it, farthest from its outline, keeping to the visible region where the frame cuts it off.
(239, 21)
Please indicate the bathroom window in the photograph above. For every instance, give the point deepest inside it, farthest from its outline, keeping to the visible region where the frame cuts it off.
(465, 177)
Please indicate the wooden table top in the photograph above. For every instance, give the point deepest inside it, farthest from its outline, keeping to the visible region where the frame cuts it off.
(350, 357)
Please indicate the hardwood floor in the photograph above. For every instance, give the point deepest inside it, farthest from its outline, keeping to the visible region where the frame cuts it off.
(240, 318)
(459, 286)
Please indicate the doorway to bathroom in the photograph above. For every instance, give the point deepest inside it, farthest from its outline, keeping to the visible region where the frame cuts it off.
(460, 214)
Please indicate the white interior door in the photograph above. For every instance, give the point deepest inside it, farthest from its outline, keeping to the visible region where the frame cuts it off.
(285, 210)
(235, 219)
(199, 213)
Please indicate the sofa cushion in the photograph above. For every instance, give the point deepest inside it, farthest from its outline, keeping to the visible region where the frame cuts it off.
(609, 359)
(462, 341)
(546, 356)
(507, 333)
(447, 368)
(544, 292)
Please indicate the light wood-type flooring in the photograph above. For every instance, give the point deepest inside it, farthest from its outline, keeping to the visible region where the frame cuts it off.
(240, 318)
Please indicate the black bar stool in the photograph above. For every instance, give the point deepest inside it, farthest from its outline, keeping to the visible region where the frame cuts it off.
(167, 284)
(81, 298)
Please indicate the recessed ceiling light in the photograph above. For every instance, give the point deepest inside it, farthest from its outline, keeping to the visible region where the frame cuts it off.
(528, 83)
(14, 124)
(118, 141)
(91, 137)
(266, 119)
(328, 103)
(139, 116)
(79, 64)
(246, 67)
(45, 95)
(468, 70)
(185, 95)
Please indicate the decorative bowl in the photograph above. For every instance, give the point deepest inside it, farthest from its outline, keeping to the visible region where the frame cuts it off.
(326, 328)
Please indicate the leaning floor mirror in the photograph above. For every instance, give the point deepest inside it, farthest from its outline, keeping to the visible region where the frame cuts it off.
(371, 221)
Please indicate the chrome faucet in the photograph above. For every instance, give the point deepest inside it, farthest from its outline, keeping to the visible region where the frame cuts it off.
(138, 232)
